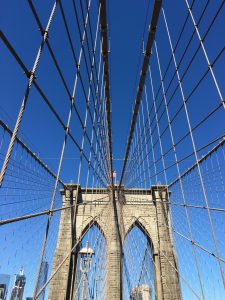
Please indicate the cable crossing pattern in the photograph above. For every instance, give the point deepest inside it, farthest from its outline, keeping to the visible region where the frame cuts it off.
(68, 229)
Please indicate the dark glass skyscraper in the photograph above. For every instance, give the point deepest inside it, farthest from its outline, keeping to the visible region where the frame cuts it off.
(4, 285)
(42, 279)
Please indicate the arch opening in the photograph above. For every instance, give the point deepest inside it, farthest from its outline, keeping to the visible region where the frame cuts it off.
(90, 274)
(138, 264)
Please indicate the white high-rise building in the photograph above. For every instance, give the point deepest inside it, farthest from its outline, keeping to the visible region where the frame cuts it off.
(141, 292)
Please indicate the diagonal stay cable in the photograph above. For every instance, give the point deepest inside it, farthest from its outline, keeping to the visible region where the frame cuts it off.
(44, 97)
(29, 151)
(199, 161)
(31, 79)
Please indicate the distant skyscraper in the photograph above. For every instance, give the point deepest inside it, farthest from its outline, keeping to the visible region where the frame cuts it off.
(4, 285)
(42, 279)
(18, 289)
(3, 291)
(141, 292)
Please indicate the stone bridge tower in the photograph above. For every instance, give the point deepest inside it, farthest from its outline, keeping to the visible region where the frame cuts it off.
(147, 209)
